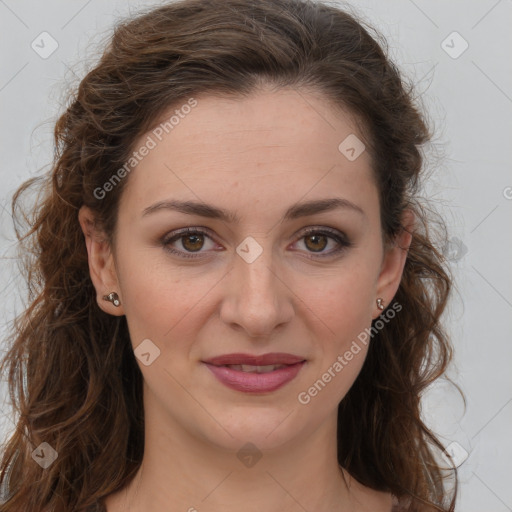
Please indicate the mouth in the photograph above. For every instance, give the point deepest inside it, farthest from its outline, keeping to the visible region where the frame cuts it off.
(255, 374)
(248, 368)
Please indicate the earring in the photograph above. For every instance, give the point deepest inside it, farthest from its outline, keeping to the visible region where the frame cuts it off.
(114, 298)
(380, 303)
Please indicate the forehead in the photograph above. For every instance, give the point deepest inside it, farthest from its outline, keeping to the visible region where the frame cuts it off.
(271, 145)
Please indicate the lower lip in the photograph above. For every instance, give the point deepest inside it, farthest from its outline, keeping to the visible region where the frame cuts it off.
(255, 382)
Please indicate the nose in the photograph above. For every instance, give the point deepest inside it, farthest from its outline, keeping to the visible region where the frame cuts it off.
(258, 299)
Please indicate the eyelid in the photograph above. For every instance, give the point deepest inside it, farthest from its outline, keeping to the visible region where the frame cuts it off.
(338, 236)
(173, 236)
(324, 230)
(334, 234)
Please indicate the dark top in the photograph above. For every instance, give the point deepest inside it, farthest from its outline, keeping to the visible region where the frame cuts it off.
(397, 506)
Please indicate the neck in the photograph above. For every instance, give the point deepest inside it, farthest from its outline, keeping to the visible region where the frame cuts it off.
(180, 472)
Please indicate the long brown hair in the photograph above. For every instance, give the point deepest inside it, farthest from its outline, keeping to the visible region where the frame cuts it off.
(73, 379)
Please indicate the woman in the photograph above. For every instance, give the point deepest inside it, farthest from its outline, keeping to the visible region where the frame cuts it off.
(235, 293)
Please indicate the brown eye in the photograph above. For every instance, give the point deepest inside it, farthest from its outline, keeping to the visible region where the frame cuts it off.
(188, 243)
(192, 242)
(196, 243)
(316, 242)
(324, 242)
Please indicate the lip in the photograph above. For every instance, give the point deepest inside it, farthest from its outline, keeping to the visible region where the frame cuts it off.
(261, 360)
(255, 382)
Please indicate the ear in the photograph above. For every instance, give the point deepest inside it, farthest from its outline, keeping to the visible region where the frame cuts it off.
(393, 261)
(101, 262)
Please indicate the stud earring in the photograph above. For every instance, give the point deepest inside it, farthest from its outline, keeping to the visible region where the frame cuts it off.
(380, 303)
(114, 298)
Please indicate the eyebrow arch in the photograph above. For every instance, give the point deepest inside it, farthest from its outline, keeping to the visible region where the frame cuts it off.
(295, 211)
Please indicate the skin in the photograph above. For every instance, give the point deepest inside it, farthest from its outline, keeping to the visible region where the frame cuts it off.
(255, 156)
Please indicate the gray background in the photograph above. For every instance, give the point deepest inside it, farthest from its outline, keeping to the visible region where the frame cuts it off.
(469, 99)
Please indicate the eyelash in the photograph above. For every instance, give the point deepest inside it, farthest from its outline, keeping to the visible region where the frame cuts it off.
(338, 237)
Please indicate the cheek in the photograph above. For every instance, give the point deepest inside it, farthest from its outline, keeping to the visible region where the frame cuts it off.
(340, 309)
(159, 303)
(343, 303)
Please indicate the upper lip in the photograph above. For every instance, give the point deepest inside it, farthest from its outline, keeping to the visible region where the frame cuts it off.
(261, 360)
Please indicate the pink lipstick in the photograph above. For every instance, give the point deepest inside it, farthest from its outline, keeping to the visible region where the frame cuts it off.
(255, 374)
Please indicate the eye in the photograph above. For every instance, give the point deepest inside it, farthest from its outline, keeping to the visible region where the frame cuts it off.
(315, 240)
(193, 240)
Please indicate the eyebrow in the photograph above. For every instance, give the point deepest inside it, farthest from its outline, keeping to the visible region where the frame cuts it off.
(295, 211)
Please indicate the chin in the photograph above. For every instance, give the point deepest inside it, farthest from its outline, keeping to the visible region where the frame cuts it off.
(266, 427)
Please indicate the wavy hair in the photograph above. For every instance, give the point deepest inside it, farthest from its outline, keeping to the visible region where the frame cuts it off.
(73, 378)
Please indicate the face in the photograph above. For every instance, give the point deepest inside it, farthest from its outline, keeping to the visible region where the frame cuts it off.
(250, 301)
